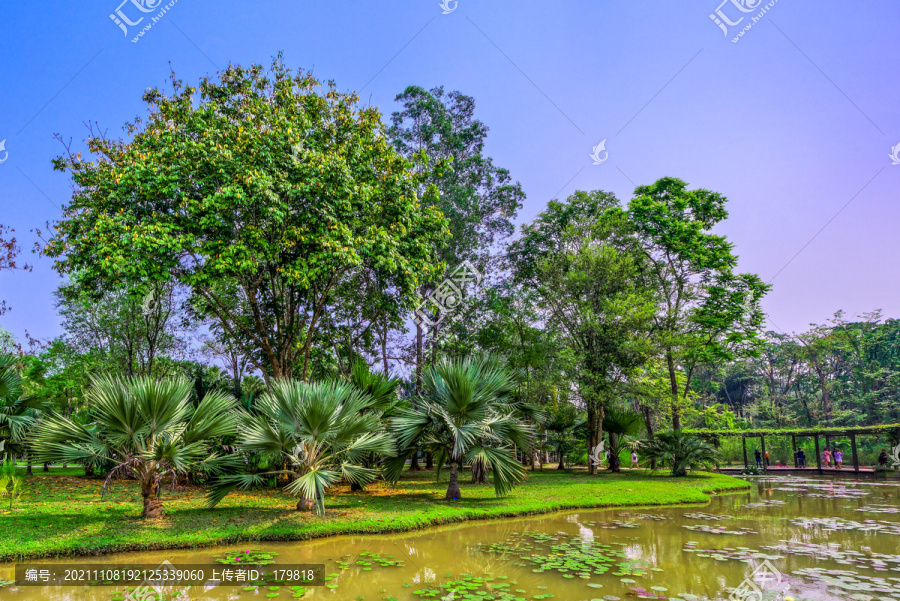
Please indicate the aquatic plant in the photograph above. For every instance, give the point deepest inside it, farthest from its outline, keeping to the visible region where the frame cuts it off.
(247, 557)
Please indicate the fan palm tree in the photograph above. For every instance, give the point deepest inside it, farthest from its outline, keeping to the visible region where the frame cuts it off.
(321, 431)
(464, 417)
(619, 423)
(681, 451)
(146, 429)
(382, 389)
(18, 413)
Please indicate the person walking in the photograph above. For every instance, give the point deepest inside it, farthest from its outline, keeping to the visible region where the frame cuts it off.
(826, 457)
(758, 456)
(801, 458)
(634, 460)
(767, 459)
(838, 458)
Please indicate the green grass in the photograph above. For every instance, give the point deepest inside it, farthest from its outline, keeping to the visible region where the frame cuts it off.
(64, 515)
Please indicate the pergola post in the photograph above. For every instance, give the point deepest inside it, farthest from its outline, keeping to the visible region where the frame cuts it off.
(794, 446)
(744, 442)
(762, 442)
(855, 454)
(818, 454)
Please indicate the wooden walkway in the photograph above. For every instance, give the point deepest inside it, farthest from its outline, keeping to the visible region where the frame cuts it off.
(865, 472)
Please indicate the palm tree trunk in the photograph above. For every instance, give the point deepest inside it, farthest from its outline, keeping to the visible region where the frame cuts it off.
(614, 452)
(453, 492)
(479, 472)
(429, 461)
(152, 505)
(414, 462)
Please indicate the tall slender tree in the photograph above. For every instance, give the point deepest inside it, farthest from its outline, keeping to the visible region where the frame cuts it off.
(581, 257)
(707, 313)
(479, 199)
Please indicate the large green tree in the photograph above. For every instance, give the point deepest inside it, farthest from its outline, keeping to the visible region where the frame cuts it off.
(259, 191)
(479, 198)
(582, 259)
(707, 313)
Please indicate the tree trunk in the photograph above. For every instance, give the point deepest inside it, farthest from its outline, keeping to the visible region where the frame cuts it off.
(414, 462)
(614, 453)
(46, 467)
(562, 462)
(152, 505)
(305, 504)
(419, 357)
(453, 493)
(429, 461)
(592, 437)
(479, 472)
(648, 422)
(673, 382)
(88, 470)
(28, 467)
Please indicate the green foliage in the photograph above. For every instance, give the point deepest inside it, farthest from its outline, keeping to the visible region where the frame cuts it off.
(707, 314)
(12, 483)
(752, 432)
(18, 411)
(561, 426)
(128, 330)
(465, 416)
(479, 199)
(321, 432)
(583, 260)
(620, 424)
(680, 451)
(145, 428)
(293, 190)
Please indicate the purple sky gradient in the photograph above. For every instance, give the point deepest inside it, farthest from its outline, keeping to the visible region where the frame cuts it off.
(791, 123)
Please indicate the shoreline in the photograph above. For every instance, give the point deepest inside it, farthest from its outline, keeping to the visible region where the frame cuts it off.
(381, 502)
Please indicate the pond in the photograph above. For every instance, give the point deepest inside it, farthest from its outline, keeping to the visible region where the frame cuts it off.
(805, 539)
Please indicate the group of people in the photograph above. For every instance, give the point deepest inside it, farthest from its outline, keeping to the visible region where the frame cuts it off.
(837, 455)
(828, 455)
(759, 458)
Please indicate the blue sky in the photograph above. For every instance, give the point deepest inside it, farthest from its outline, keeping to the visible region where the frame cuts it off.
(794, 122)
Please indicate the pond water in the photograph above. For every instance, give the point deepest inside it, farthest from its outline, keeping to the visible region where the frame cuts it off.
(804, 538)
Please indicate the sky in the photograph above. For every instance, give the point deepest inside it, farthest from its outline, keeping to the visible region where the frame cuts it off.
(794, 120)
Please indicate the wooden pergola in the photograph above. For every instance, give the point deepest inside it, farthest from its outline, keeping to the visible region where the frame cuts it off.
(828, 433)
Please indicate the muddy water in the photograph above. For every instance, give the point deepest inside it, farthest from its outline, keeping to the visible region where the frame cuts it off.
(805, 539)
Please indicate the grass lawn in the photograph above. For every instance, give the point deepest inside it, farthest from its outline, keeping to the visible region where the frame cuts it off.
(63, 514)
